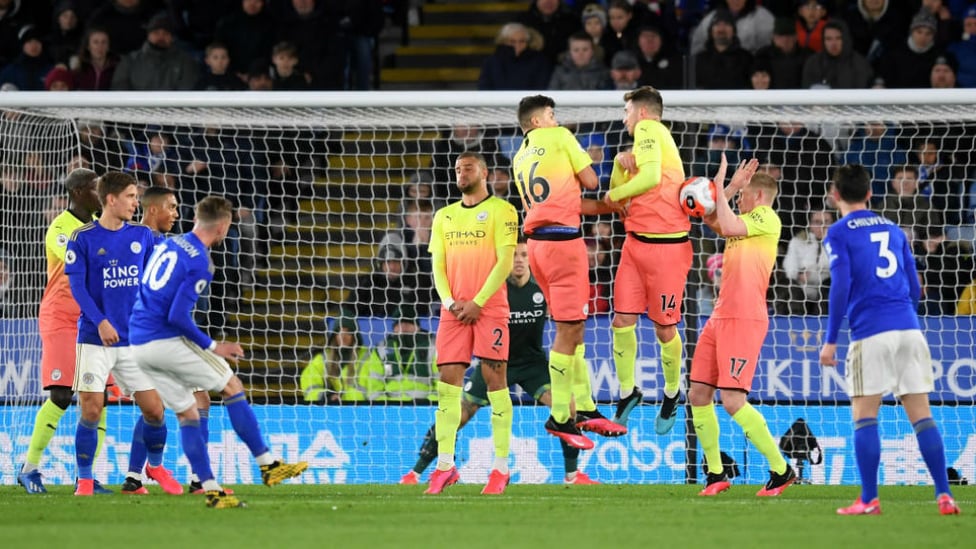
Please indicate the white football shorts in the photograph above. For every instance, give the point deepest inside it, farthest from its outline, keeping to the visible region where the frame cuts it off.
(897, 361)
(95, 362)
(179, 367)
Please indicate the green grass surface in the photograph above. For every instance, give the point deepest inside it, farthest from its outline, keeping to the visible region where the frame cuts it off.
(546, 517)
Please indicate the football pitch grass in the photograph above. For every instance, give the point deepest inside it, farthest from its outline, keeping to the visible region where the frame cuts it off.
(539, 516)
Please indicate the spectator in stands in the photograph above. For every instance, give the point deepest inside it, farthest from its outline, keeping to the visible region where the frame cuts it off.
(721, 139)
(286, 75)
(946, 268)
(601, 277)
(125, 22)
(941, 179)
(556, 23)
(943, 73)
(708, 293)
(248, 33)
(723, 64)
(621, 31)
(258, 77)
(625, 70)
(965, 51)
(333, 373)
(760, 76)
(907, 207)
(27, 71)
(463, 136)
(877, 26)
(412, 239)
(65, 35)
(96, 62)
(403, 367)
(948, 29)
(420, 188)
(808, 26)
(807, 265)
(500, 183)
(580, 69)
(11, 20)
(838, 65)
(195, 21)
(354, 27)
(784, 57)
(59, 79)
(595, 24)
(158, 65)
(753, 25)
(660, 66)
(218, 77)
(303, 23)
(517, 63)
(875, 146)
(967, 299)
(908, 65)
(804, 160)
(382, 291)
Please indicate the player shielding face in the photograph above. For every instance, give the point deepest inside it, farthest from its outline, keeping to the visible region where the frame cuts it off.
(657, 253)
(104, 261)
(874, 284)
(550, 167)
(58, 325)
(729, 345)
(471, 249)
(180, 358)
(526, 366)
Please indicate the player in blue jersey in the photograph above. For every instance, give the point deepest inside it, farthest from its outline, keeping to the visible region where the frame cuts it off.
(875, 285)
(104, 261)
(180, 357)
(160, 211)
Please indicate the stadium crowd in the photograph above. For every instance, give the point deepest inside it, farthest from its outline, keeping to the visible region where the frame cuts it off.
(923, 174)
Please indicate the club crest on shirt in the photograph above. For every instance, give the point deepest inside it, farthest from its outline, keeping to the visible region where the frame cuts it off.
(538, 298)
(55, 374)
(62, 240)
(482, 216)
(70, 257)
(88, 378)
(136, 247)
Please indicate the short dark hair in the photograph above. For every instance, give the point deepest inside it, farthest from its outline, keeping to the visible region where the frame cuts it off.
(522, 239)
(154, 193)
(475, 155)
(79, 177)
(212, 209)
(285, 47)
(216, 46)
(113, 183)
(895, 170)
(580, 36)
(647, 96)
(528, 106)
(852, 182)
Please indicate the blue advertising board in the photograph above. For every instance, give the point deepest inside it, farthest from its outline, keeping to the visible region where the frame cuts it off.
(378, 444)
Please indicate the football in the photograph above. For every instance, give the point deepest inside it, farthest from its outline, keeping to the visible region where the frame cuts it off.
(697, 196)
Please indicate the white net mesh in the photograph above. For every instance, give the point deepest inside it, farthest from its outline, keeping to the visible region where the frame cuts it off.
(334, 201)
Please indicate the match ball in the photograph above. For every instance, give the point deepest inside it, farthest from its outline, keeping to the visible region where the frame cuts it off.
(697, 196)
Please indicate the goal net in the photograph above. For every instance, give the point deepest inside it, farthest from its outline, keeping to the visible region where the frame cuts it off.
(334, 197)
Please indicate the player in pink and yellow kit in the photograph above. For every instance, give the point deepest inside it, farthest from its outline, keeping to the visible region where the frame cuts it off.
(729, 345)
(550, 166)
(656, 256)
(472, 247)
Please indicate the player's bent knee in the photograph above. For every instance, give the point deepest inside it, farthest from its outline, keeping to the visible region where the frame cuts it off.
(621, 320)
(233, 387)
(61, 397)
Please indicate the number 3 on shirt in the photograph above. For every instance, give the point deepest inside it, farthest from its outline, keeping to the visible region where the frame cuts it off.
(885, 253)
(534, 191)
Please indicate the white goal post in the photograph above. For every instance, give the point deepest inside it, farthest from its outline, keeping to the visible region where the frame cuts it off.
(328, 185)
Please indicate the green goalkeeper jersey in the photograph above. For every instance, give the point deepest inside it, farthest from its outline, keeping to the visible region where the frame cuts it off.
(526, 323)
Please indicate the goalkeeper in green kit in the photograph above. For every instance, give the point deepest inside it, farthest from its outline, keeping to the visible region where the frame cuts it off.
(527, 367)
